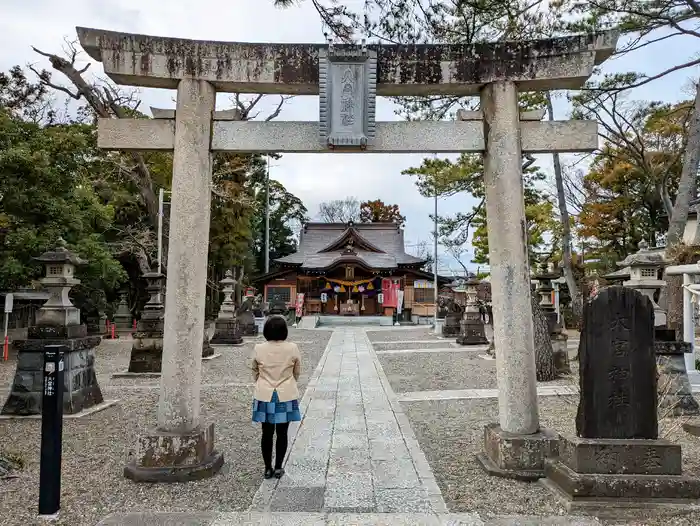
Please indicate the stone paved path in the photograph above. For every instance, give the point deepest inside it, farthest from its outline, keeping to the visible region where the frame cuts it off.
(333, 519)
(354, 451)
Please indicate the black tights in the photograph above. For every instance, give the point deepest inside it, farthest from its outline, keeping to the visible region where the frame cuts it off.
(266, 444)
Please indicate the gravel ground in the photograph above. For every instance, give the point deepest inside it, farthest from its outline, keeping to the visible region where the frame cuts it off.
(95, 447)
(390, 335)
(451, 433)
(415, 345)
(436, 371)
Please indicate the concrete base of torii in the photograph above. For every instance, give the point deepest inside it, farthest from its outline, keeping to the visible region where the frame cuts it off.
(175, 457)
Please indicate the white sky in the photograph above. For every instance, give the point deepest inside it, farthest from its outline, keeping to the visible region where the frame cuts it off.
(312, 177)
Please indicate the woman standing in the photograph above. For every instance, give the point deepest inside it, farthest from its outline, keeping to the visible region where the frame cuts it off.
(276, 368)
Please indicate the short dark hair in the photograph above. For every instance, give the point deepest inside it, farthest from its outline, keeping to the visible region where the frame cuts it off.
(275, 329)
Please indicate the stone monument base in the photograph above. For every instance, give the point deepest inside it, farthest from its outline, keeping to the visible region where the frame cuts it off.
(226, 332)
(472, 333)
(207, 349)
(146, 354)
(618, 472)
(249, 329)
(520, 457)
(692, 426)
(174, 457)
(451, 325)
(81, 390)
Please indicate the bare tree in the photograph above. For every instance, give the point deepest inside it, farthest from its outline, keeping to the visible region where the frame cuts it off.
(424, 250)
(108, 102)
(544, 353)
(563, 217)
(456, 251)
(340, 210)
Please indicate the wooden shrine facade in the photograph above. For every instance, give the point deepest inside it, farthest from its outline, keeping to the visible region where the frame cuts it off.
(341, 268)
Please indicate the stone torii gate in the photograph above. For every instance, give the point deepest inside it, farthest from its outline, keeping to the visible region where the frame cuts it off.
(347, 79)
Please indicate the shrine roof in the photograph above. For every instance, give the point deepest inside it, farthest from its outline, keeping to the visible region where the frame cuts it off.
(376, 245)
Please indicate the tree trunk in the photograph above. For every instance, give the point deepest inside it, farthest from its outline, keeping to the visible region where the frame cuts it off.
(672, 294)
(544, 354)
(688, 174)
(563, 215)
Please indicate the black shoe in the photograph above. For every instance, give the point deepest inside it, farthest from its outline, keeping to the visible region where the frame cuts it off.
(269, 473)
(278, 473)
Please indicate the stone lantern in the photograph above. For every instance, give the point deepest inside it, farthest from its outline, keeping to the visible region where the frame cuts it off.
(545, 290)
(227, 330)
(147, 350)
(644, 268)
(122, 317)
(57, 323)
(472, 325)
(59, 311)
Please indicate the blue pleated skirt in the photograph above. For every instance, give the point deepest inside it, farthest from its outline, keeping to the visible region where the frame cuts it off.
(276, 412)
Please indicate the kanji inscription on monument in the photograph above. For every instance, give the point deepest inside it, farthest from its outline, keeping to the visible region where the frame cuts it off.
(347, 95)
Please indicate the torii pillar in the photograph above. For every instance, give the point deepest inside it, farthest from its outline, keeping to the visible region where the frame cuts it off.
(181, 448)
(516, 447)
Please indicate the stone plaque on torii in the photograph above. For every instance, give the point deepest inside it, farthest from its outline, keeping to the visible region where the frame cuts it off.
(495, 72)
(347, 80)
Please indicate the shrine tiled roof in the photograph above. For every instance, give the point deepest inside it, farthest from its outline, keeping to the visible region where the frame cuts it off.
(376, 245)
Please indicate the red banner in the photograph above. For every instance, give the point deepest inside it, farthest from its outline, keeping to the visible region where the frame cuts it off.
(300, 304)
(390, 290)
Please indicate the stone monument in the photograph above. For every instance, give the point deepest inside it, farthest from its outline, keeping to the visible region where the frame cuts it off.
(246, 320)
(617, 457)
(57, 323)
(557, 334)
(227, 331)
(147, 351)
(122, 316)
(453, 317)
(472, 324)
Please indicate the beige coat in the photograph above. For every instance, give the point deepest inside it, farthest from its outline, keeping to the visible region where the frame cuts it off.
(276, 366)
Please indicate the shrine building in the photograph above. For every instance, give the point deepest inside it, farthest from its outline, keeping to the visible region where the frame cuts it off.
(345, 269)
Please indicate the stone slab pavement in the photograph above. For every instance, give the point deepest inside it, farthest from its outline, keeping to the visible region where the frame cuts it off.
(333, 519)
(355, 450)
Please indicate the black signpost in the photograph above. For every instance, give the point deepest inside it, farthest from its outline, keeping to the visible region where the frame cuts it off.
(51, 431)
